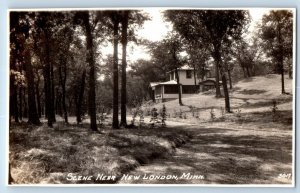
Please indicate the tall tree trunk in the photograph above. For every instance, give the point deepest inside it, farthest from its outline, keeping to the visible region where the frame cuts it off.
(229, 78)
(217, 57)
(115, 123)
(33, 117)
(20, 103)
(49, 104)
(248, 71)
(179, 88)
(25, 105)
(226, 93)
(280, 58)
(195, 78)
(80, 97)
(91, 62)
(38, 96)
(52, 112)
(62, 81)
(13, 102)
(218, 91)
(124, 65)
(282, 81)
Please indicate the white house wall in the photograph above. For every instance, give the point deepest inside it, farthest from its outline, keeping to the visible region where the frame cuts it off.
(185, 81)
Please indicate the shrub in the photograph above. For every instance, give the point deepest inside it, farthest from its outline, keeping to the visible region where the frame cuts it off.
(222, 113)
(274, 109)
(154, 117)
(212, 114)
(180, 114)
(134, 115)
(239, 114)
(141, 116)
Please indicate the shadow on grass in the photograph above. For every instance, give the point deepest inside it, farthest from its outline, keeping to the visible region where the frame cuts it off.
(251, 91)
(225, 158)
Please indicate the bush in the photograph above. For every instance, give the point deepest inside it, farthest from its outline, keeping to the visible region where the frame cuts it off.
(274, 111)
(212, 114)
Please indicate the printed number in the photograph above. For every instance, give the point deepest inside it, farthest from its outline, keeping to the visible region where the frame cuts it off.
(284, 175)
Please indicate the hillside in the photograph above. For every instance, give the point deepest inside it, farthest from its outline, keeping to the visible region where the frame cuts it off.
(253, 94)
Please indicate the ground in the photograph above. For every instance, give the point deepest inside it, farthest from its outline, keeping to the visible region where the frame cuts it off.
(251, 145)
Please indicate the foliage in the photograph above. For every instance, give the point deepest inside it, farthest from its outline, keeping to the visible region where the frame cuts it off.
(274, 110)
(163, 116)
(276, 31)
(214, 27)
(212, 114)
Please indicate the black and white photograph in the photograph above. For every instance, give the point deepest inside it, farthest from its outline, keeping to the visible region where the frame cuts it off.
(152, 96)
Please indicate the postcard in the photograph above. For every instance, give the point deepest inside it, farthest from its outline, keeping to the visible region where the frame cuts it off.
(152, 96)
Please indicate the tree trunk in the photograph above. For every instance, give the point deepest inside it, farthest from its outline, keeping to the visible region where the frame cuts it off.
(20, 103)
(25, 106)
(226, 94)
(80, 97)
(91, 62)
(195, 78)
(52, 112)
(13, 96)
(179, 87)
(229, 77)
(115, 123)
(217, 58)
(282, 81)
(218, 91)
(38, 96)
(248, 71)
(49, 104)
(280, 58)
(33, 117)
(62, 80)
(124, 65)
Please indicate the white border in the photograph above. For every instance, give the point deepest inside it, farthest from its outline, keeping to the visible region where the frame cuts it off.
(292, 185)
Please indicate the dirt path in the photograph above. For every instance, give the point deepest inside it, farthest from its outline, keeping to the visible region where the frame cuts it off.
(227, 153)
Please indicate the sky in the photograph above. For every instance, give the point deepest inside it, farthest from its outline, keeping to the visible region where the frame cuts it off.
(156, 29)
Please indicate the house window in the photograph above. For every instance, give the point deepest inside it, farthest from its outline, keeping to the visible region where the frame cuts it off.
(171, 89)
(189, 89)
(188, 74)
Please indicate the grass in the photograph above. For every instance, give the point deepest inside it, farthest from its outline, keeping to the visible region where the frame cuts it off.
(41, 155)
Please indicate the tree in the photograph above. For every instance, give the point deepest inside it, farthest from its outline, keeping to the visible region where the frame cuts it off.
(124, 41)
(64, 56)
(21, 44)
(174, 45)
(44, 24)
(91, 61)
(215, 27)
(115, 18)
(277, 34)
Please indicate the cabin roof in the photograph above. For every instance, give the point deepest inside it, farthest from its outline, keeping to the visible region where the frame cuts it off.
(171, 82)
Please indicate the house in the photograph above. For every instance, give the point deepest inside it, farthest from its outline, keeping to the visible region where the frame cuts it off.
(165, 91)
